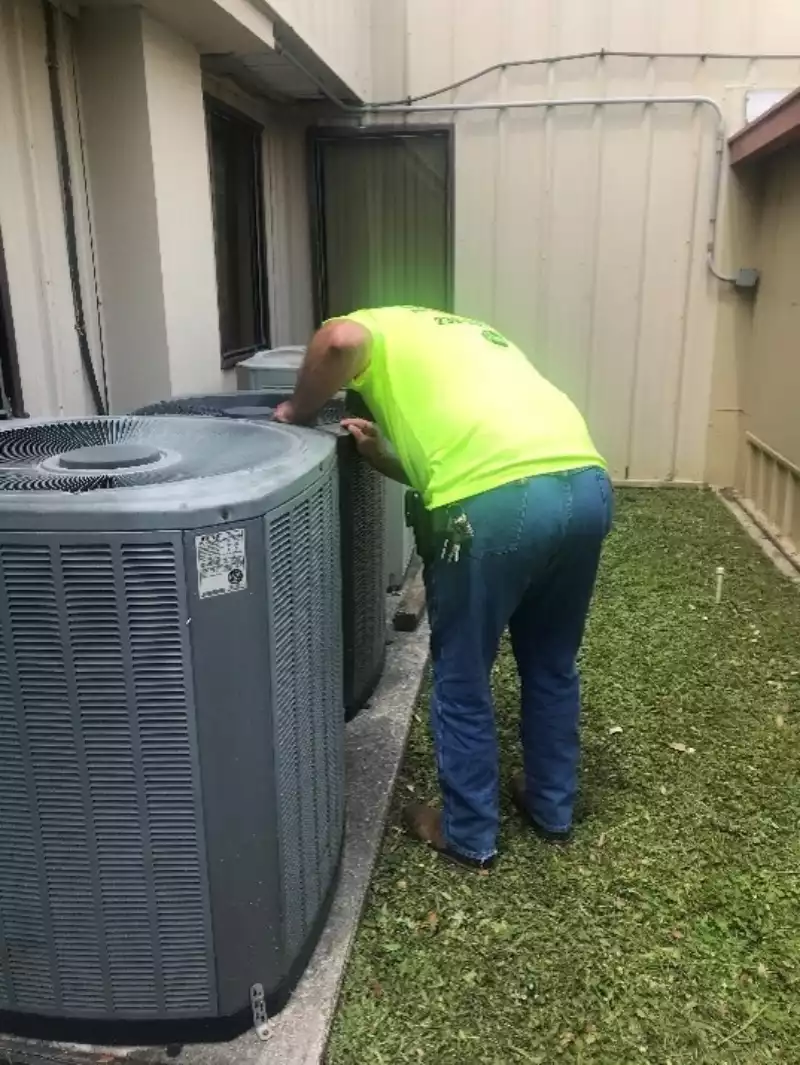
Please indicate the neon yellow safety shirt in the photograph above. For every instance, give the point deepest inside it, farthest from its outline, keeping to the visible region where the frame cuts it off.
(463, 407)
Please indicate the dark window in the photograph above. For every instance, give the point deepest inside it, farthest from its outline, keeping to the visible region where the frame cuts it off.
(236, 186)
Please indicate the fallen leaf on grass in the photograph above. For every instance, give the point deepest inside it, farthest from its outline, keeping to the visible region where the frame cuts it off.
(681, 748)
(566, 1039)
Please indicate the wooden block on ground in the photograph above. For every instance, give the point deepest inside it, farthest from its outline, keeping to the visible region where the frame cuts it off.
(412, 603)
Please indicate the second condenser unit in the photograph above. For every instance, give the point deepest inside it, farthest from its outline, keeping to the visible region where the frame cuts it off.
(276, 370)
(361, 522)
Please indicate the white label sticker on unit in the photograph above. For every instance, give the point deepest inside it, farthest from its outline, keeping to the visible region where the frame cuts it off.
(221, 563)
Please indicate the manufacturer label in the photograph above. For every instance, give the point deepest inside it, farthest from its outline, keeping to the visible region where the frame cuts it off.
(221, 563)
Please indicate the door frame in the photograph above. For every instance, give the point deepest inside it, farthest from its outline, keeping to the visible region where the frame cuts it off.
(324, 134)
(10, 381)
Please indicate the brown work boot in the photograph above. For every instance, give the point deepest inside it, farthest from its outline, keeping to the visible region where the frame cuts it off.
(425, 824)
(519, 800)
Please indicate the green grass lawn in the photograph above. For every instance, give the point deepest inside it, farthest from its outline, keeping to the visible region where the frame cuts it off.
(670, 931)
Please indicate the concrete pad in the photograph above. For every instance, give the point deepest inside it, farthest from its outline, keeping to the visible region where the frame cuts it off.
(376, 740)
(375, 743)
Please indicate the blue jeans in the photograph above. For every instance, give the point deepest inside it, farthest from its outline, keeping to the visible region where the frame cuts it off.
(531, 567)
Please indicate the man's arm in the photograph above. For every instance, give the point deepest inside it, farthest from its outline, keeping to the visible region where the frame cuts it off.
(374, 449)
(391, 467)
(338, 352)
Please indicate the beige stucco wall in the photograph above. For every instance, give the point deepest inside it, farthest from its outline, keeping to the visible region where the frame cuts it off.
(338, 31)
(31, 216)
(146, 144)
(582, 232)
(133, 95)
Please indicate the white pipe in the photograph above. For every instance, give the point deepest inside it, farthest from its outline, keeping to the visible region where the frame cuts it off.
(587, 101)
(720, 579)
(570, 101)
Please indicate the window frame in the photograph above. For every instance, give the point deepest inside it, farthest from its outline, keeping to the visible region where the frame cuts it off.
(11, 400)
(215, 107)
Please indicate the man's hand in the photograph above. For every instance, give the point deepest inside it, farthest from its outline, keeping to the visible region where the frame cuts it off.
(286, 413)
(367, 437)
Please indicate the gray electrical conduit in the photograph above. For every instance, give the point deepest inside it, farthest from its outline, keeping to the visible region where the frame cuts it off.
(411, 106)
(603, 101)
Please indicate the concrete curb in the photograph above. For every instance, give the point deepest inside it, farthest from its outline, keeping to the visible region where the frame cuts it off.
(773, 553)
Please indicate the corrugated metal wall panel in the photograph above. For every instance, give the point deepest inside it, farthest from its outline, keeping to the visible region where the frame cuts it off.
(582, 233)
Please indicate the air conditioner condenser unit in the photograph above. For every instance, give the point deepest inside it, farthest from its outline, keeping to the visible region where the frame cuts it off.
(171, 725)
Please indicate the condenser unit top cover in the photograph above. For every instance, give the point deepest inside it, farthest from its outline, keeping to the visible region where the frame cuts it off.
(276, 369)
(144, 473)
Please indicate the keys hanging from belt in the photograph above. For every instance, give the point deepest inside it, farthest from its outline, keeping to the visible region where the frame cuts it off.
(459, 535)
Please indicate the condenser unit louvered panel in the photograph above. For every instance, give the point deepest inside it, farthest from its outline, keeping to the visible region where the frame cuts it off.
(310, 751)
(287, 746)
(99, 642)
(156, 624)
(171, 722)
(329, 749)
(25, 950)
(362, 491)
(121, 860)
(36, 632)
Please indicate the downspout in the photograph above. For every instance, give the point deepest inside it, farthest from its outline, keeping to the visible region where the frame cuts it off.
(70, 232)
(743, 279)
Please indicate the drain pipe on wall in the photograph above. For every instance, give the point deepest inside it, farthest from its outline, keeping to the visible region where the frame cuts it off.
(62, 155)
(745, 279)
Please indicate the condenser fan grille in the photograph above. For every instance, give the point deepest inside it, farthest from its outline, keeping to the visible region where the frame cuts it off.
(94, 454)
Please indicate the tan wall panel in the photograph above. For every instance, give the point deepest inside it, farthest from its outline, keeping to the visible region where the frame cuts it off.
(339, 32)
(582, 233)
(619, 277)
(772, 375)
